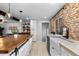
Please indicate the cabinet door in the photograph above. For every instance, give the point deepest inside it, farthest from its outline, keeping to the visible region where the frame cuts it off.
(25, 49)
(54, 46)
(53, 52)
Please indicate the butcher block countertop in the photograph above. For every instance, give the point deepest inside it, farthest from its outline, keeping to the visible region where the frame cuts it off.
(9, 43)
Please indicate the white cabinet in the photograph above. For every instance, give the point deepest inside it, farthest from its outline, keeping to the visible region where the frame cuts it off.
(54, 46)
(56, 49)
(25, 49)
(64, 52)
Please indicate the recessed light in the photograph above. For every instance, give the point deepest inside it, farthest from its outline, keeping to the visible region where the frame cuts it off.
(20, 20)
(27, 18)
(45, 17)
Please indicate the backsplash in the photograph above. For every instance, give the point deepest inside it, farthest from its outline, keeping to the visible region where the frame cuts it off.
(70, 18)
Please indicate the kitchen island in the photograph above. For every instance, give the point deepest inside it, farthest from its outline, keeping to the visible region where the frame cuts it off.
(9, 44)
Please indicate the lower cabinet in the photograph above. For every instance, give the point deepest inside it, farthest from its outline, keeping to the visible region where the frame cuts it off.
(25, 49)
(54, 47)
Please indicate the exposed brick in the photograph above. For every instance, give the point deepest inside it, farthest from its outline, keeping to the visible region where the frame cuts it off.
(70, 16)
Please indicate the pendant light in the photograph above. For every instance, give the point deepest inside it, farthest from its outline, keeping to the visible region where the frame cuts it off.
(9, 14)
(20, 16)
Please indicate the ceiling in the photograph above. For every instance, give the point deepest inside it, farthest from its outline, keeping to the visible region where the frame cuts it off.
(34, 11)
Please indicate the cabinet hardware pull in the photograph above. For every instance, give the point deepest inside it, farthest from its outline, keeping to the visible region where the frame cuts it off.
(52, 47)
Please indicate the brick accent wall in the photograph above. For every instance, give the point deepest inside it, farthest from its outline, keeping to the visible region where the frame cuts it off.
(70, 16)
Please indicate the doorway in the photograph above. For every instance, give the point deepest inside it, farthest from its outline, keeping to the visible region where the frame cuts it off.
(45, 27)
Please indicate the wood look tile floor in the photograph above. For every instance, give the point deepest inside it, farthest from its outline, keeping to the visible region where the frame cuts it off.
(39, 49)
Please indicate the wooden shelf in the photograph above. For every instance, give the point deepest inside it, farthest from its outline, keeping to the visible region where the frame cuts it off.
(26, 27)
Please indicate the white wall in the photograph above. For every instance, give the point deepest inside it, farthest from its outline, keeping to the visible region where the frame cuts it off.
(33, 29)
(36, 27)
(39, 31)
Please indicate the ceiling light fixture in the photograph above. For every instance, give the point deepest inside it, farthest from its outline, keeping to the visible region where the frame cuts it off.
(20, 16)
(45, 17)
(9, 14)
(20, 20)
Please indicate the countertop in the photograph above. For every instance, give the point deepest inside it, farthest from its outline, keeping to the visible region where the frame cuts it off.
(8, 43)
(71, 45)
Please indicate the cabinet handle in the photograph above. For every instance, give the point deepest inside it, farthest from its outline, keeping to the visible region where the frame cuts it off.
(16, 51)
